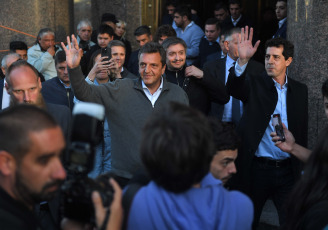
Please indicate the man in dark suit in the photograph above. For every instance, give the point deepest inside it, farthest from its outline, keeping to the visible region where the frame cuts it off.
(237, 19)
(281, 12)
(263, 170)
(210, 43)
(219, 69)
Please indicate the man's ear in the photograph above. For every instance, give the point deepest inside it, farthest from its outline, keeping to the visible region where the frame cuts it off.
(7, 163)
(3, 70)
(7, 87)
(226, 45)
(289, 61)
(163, 69)
(150, 37)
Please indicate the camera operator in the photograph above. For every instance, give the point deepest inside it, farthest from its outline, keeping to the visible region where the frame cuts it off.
(31, 143)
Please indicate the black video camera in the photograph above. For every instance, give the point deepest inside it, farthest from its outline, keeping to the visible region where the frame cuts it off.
(87, 132)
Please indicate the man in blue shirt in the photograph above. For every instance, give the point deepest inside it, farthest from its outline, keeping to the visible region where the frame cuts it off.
(188, 31)
(263, 169)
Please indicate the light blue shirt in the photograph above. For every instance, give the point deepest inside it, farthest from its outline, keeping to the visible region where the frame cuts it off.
(266, 147)
(192, 35)
(211, 43)
(152, 97)
(227, 112)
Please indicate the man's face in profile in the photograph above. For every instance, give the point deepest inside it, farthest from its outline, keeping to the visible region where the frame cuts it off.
(40, 172)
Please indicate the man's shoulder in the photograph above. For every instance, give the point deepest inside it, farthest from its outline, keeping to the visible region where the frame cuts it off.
(296, 84)
(57, 109)
(212, 64)
(51, 82)
(34, 48)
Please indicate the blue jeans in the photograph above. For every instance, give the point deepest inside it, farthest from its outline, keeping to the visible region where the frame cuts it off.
(103, 157)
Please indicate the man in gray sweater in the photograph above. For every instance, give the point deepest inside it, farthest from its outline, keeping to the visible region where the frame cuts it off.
(128, 102)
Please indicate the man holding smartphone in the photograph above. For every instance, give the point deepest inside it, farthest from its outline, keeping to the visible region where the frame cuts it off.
(263, 170)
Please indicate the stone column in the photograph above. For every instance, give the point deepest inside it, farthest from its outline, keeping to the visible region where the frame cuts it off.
(30, 16)
(308, 30)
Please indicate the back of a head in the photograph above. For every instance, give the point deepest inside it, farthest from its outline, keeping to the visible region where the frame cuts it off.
(183, 10)
(173, 41)
(177, 147)
(141, 30)
(17, 122)
(288, 47)
(106, 29)
(153, 47)
(17, 45)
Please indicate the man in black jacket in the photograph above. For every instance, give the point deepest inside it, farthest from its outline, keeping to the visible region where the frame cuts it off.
(200, 88)
(219, 69)
(58, 89)
(263, 170)
(30, 167)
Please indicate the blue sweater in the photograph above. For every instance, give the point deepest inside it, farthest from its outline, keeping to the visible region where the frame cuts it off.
(209, 207)
(192, 36)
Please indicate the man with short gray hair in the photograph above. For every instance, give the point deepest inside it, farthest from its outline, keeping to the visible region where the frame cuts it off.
(84, 31)
(5, 63)
(41, 55)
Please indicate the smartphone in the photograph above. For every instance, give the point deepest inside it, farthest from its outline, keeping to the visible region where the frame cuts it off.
(276, 121)
(106, 52)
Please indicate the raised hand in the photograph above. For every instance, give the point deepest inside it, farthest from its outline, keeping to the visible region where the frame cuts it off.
(73, 53)
(245, 47)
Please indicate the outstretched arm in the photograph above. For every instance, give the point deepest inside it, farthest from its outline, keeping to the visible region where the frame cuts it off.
(290, 146)
(246, 49)
(73, 52)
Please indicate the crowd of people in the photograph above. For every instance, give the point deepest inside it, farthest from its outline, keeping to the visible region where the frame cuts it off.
(188, 130)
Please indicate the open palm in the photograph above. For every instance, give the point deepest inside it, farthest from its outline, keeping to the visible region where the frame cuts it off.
(245, 47)
(73, 52)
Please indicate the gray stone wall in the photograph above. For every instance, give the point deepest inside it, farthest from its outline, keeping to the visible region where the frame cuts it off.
(30, 16)
(308, 30)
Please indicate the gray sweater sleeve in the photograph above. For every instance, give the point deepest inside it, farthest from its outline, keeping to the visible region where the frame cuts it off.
(82, 90)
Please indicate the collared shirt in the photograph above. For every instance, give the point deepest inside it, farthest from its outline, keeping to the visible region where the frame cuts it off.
(234, 22)
(66, 87)
(281, 22)
(152, 97)
(266, 147)
(5, 97)
(211, 43)
(227, 112)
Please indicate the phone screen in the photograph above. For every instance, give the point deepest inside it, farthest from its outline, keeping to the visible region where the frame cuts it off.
(276, 121)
